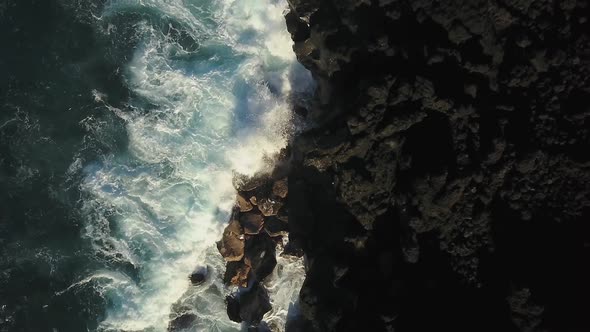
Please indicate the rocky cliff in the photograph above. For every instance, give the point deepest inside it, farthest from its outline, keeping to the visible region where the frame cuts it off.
(445, 183)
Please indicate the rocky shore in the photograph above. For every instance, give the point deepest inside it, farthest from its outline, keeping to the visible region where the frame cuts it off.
(257, 227)
(445, 182)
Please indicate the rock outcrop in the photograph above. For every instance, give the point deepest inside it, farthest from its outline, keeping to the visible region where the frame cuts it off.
(445, 184)
(249, 243)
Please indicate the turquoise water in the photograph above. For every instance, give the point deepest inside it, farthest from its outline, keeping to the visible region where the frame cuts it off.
(165, 101)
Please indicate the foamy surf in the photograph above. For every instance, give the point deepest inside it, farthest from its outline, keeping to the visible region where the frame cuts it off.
(211, 83)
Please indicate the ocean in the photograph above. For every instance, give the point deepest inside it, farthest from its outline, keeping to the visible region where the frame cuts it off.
(121, 125)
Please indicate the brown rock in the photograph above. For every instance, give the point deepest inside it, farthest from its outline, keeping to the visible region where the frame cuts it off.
(280, 188)
(244, 205)
(269, 207)
(253, 200)
(236, 273)
(252, 223)
(231, 245)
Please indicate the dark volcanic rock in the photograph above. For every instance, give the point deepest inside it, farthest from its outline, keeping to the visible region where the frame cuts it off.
(199, 275)
(276, 227)
(447, 171)
(248, 305)
(260, 254)
(244, 183)
(233, 308)
(254, 303)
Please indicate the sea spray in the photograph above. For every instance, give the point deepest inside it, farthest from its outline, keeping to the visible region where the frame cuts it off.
(211, 84)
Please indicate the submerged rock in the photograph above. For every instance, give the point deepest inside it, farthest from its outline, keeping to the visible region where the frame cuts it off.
(182, 322)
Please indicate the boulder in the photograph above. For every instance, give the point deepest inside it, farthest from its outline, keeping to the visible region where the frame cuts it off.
(260, 254)
(253, 200)
(182, 322)
(276, 227)
(231, 245)
(269, 207)
(233, 308)
(254, 303)
(199, 275)
(243, 204)
(280, 188)
(252, 223)
(236, 273)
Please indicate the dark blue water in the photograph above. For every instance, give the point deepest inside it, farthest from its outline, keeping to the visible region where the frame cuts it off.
(120, 125)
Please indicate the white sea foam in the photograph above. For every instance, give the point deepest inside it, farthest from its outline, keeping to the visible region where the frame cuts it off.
(197, 114)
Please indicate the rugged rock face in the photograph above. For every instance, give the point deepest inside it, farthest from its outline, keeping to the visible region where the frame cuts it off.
(446, 182)
(250, 240)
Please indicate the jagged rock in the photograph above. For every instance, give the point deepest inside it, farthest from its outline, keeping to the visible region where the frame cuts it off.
(243, 204)
(276, 227)
(199, 275)
(525, 314)
(245, 183)
(233, 308)
(297, 27)
(252, 223)
(446, 165)
(254, 303)
(232, 244)
(260, 254)
(248, 305)
(293, 248)
(236, 273)
(281, 188)
(269, 207)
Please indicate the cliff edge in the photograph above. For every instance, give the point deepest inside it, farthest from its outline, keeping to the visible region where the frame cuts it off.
(445, 183)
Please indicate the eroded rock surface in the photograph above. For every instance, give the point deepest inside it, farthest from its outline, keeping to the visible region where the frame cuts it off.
(445, 184)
